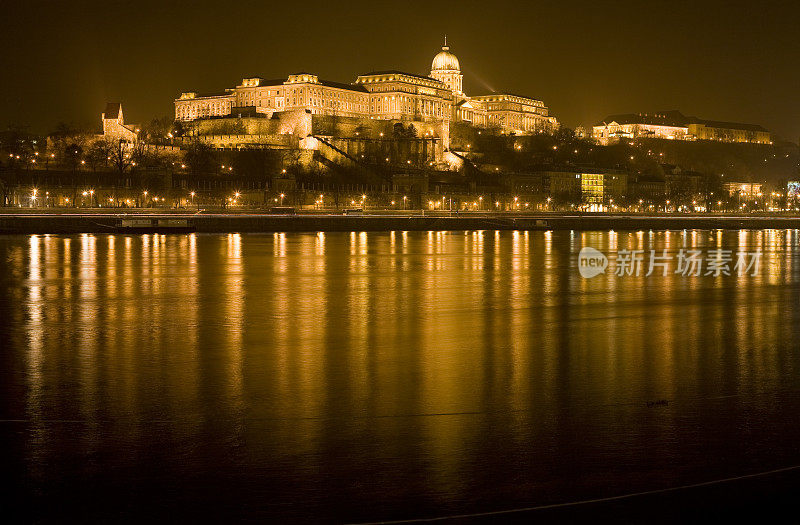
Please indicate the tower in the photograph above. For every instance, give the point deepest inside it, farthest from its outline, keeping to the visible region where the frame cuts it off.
(445, 68)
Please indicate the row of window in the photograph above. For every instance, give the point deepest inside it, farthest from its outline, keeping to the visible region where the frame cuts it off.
(338, 102)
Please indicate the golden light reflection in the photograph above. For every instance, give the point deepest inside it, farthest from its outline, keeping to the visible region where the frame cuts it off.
(295, 334)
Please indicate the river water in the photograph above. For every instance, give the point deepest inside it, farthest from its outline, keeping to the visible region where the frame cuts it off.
(352, 377)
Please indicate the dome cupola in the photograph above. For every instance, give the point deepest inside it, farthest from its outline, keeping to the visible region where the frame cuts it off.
(447, 70)
(445, 60)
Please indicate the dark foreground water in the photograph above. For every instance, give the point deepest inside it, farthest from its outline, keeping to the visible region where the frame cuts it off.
(373, 376)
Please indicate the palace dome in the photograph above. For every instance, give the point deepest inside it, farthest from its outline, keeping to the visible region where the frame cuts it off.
(445, 60)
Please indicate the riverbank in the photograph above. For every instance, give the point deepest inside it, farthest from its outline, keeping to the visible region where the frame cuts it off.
(253, 222)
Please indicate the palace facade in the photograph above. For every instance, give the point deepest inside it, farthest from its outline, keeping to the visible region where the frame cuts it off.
(674, 125)
(379, 95)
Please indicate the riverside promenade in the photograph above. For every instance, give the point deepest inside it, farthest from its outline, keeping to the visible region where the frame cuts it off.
(33, 221)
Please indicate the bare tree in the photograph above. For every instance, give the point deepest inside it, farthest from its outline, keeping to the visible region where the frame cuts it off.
(99, 154)
(119, 155)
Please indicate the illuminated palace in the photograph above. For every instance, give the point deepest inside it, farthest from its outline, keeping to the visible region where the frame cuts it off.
(435, 101)
(674, 125)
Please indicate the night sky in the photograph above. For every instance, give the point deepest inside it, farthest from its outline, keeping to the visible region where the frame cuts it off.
(737, 61)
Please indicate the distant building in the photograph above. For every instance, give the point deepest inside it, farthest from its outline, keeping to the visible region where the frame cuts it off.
(664, 125)
(684, 185)
(590, 187)
(674, 125)
(436, 99)
(114, 127)
(744, 191)
(793, 190)
(648, 189)
(729, 132)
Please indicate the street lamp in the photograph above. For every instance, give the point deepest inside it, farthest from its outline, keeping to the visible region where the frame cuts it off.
(282, 196)
(404, 201)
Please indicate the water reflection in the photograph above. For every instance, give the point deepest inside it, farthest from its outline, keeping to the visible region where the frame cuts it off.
(317, 372)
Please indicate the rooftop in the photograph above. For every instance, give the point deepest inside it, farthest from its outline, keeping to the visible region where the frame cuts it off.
(341, 85)
(730, 125)
(660, 118)
(677, 119)
(396, 72)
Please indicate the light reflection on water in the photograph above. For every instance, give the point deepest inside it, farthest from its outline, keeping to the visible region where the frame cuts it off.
(360, 375)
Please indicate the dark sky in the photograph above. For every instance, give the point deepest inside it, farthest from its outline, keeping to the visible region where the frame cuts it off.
(730, 60)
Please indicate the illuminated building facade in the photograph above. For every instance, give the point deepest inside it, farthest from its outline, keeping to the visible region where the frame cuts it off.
(673, 125)
(729, 132)
(793, 190)
(114, 127)
(744, 191)
(664, 125)
(382, 95)
(591, 189)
